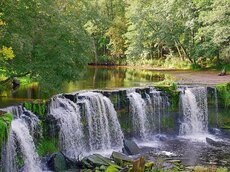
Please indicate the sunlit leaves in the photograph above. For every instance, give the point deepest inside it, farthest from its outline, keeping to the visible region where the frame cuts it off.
(6, 53)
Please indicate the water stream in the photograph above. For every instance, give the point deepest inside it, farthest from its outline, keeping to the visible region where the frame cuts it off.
(104, 131)
(195, 112)
(71, 132)
(21, 139)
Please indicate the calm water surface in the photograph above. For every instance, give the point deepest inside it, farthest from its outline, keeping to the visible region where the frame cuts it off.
(92, 78)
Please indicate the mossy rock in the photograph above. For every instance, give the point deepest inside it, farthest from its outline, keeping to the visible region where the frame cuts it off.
(173, 95)
(5, 121)
(113, 168)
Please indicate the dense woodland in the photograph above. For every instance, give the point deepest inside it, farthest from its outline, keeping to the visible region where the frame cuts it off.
(49, 40)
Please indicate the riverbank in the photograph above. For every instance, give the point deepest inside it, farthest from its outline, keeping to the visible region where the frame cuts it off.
(181, 76)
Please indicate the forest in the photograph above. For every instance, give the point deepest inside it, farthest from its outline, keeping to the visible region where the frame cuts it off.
(46, 39)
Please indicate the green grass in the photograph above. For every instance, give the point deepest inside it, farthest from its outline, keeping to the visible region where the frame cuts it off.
(223, 91)
(47, 147)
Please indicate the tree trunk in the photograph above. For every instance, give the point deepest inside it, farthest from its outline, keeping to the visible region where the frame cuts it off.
(178, 49)
(95, 52)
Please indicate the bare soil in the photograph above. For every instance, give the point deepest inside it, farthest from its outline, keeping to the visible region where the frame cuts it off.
(199, 77)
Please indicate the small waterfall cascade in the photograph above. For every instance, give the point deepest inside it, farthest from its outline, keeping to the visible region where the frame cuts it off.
(104, 131)
(68, 116)
(157, 106)
(139, 117)
(195, 111)
(21, 139)
(147, 112)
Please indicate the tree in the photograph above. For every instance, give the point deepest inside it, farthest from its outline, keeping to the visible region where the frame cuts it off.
(215, 28)
(48, 39)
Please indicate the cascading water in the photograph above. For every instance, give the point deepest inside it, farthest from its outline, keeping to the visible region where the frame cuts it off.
(71, 133)
(21, 138)
(104, 131)
(157, 106)
(139, 118)
(147, 112)
(20, 134)
(195, 111)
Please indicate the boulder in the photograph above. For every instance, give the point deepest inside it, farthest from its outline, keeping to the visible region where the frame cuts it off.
(120, 158)
(161, 137)
(57, 162)
(216, 143)
(131, 147)
(94, 161)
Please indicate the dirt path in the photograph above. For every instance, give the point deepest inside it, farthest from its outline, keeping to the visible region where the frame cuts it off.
(199, 77)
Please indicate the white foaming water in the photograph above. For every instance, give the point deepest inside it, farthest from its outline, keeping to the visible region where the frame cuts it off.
(139, 118)
(195, 114)
(20, 136)
(104, 131)
(71, 133)
(157, 108)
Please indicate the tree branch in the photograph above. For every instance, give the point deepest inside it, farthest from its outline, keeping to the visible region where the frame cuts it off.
(11, 77)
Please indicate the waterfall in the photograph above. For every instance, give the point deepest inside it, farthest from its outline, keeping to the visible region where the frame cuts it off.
(139, 118)
(195, 111)
(157, 108)
(69, 120)
(104, 131)
(21, 138)
(147, 112)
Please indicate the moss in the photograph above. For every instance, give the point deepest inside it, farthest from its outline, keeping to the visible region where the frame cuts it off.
(47, 147)
(37, 107)
(5, 121)
(113, 168)
(223, 91)
(173, 94)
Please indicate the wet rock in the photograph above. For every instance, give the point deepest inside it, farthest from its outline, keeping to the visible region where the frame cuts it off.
(131, 147)
(161, 137)
(94, 161)
(120, 158)
(71, 97)
(57, 162)
(216, 143)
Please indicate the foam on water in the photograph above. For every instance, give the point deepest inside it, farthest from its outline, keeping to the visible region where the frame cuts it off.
(21, 137)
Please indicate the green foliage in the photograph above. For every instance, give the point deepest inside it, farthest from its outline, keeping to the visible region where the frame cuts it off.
(52, 40)
(112, 168)
(38, 108)
(48, 40)
(5, 121)
(47, 147)
(224, 94)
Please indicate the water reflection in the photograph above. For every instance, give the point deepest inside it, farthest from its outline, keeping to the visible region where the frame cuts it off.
(92, 78)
